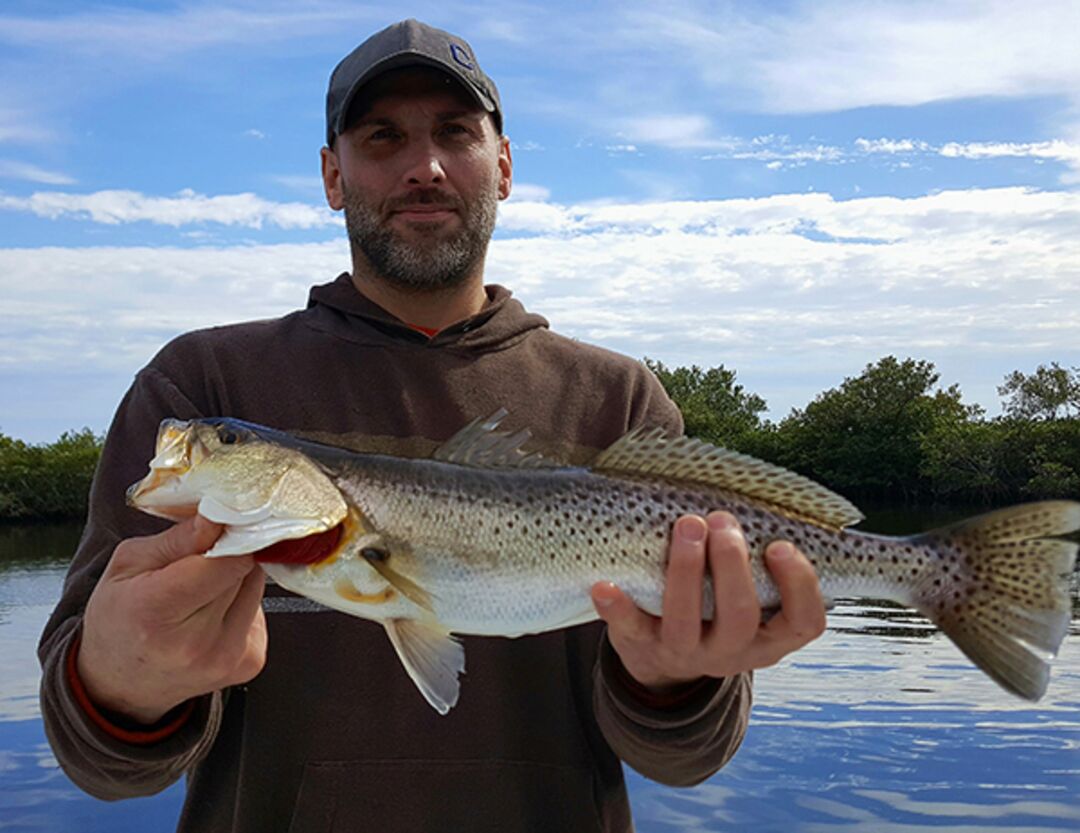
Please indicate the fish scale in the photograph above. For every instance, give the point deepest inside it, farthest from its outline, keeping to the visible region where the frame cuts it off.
(487, 539)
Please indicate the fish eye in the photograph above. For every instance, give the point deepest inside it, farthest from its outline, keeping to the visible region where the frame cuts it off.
(227, 436)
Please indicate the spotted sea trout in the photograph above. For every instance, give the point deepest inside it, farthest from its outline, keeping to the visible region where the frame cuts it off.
(484, 538)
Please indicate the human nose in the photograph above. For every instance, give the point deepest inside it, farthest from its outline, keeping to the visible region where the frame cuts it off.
(425, 167)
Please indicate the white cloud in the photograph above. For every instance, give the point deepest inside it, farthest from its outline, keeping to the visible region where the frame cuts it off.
(187, 207)
(13, 169)
(795, 291)
(838, 55)
(155, 35)
(778, 151)
(17, 124)
(309, 184)
(890, 145)
(782, 152)
(529, 192)
(252, 133)
(111, 307)
(676, 130)
(1057, 150)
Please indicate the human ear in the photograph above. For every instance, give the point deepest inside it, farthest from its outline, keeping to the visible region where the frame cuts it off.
(331, 176)
(506, 167)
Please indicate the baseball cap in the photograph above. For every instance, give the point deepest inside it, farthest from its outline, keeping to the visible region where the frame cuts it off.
(405, 44)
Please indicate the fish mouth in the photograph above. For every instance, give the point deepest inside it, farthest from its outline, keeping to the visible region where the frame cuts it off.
(176, 450)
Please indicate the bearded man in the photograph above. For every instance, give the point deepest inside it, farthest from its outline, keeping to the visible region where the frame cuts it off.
(286, 716)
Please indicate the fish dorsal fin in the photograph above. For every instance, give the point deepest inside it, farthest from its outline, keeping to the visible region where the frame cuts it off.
(478, 444)
(652, 452)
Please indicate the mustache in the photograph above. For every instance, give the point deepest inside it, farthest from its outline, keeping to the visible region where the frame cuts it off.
(424, 196)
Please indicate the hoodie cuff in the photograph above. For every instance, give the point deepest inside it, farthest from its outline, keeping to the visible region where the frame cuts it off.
(115, 725)
(679, 706)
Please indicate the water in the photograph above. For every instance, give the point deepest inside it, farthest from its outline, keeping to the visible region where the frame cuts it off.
(880, 726)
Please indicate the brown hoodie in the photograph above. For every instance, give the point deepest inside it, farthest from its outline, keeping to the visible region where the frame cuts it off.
(332, 735)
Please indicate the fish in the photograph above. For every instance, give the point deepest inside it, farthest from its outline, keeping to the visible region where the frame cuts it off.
(486, 537)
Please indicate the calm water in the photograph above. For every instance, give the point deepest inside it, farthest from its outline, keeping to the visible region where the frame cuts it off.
(880, 726)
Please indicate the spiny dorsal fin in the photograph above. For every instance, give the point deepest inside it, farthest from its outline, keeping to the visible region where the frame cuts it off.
(683, 458)
(478, 444)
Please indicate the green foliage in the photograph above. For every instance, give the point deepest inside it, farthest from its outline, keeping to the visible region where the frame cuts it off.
(47, 481)
(714, 407)
(866, 436)
(966, 461)
(892, 432)
(1048, 393)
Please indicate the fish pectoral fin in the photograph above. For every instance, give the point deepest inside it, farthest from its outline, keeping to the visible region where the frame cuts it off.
(432, 658)
(404, 585)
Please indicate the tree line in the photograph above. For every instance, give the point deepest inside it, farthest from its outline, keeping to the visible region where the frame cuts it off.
(891, 434)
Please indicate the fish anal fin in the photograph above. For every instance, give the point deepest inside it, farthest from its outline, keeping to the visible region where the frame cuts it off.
(652, 452)
(432, 658)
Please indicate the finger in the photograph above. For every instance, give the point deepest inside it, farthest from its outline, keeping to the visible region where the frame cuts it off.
(802, 610)
(738, 613)
(244, 627)
(625, 620)
(680, 625)
(196, 585)
(248, 599)
(191, 536)
(218, 608)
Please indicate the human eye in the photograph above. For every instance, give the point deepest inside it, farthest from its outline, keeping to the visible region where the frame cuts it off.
(455, 130)
(383, 135)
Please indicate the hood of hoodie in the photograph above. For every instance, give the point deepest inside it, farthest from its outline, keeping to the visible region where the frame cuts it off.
(340, 309)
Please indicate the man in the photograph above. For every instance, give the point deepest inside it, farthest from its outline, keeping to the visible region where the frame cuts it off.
(158, 662)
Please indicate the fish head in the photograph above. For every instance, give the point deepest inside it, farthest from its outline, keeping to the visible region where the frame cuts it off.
(231, 473)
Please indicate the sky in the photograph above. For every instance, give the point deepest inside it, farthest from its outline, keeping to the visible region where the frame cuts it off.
(791, 189)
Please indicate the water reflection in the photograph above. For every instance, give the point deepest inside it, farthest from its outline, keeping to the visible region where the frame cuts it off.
(881, 725)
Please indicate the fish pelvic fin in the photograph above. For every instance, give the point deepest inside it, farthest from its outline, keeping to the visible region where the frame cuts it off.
(652, 452)
(433, 659)
(1004, 598)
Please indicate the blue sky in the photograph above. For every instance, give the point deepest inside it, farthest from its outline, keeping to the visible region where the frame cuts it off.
(792, 189)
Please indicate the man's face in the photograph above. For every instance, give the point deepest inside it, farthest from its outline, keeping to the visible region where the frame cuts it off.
(419, 173)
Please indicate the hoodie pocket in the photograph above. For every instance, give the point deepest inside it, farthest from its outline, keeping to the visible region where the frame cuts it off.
(444, 797)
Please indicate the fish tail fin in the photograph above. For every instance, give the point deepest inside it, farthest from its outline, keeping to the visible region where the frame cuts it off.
(1002, 591)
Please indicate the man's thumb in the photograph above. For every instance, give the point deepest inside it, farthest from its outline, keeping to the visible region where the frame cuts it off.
(192, 536)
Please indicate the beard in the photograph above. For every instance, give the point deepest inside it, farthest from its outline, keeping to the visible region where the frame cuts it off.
(429, 260)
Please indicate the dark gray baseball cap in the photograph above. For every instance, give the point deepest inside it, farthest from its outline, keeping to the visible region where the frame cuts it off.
(405, 44)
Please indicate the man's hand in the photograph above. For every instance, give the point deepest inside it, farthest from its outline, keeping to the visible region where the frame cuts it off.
(679, 647)
(165, 624)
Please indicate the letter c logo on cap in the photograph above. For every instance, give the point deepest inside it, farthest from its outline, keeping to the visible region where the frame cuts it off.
(461, 56)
